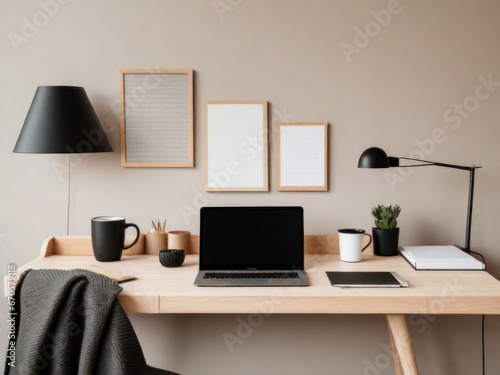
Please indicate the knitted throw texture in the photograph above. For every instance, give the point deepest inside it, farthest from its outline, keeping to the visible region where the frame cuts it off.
(70, 322)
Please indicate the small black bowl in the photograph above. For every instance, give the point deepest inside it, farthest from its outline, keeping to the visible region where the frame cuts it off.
(172, 257)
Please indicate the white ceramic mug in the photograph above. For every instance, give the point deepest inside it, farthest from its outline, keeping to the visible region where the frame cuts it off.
(351, 244)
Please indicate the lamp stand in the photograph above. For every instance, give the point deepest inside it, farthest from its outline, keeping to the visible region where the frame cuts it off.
(69, 194)
(472, 169)
(469, 210)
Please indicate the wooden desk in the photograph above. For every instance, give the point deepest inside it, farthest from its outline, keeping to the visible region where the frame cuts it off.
(160, 290)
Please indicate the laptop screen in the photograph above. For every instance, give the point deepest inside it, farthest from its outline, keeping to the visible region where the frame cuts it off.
(248, 238)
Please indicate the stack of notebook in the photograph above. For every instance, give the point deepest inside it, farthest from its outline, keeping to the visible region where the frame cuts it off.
(440, 258)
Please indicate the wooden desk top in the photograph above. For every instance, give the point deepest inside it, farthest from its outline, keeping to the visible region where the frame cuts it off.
(171, 290)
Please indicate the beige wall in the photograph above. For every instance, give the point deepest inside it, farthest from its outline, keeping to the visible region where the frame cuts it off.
(413, 83)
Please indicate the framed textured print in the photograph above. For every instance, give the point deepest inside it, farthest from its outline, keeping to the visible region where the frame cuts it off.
(157, 118)
(302, 156)
(236, 146)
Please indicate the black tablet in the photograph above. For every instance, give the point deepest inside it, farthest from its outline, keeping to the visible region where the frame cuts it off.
(366, 279)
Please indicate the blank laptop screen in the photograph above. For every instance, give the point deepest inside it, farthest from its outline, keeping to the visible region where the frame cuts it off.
(247, 238)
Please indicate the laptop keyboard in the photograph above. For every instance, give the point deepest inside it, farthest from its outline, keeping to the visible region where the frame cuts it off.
(251, 275)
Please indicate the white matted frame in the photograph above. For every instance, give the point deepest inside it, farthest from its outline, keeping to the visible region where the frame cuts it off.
(157, 118)
(235, 145)
(302, 156)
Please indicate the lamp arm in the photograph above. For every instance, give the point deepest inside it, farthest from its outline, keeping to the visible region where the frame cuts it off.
(428, 163)
(394, 161)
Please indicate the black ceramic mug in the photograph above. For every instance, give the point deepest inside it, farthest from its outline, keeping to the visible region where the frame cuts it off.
(108, 237)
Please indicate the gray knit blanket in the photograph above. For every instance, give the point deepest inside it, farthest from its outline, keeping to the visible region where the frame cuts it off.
(70, 322)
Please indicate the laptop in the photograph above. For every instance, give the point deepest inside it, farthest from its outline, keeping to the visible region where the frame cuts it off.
(251, 246)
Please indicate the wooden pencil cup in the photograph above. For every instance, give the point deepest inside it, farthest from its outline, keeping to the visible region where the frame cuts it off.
(154, 242)
(179, 239)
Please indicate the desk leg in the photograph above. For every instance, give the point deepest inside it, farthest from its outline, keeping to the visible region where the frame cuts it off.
(404, 359)
(398, 370)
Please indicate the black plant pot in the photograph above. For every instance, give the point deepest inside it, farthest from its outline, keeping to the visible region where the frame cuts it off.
(385, 241)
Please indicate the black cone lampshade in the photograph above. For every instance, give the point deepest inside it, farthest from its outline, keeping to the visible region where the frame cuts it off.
(61, 120)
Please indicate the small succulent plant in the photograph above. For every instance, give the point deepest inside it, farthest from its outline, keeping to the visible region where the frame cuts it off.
(386, 216)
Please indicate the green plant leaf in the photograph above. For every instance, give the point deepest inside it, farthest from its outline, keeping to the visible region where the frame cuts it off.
(386, 216)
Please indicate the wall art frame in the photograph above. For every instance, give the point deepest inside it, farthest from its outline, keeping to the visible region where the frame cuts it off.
(302, 156)
(236, 145)
(157, 118)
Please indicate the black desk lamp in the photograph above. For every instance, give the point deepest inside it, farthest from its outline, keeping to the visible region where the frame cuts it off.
(61, 120)
(375, 157)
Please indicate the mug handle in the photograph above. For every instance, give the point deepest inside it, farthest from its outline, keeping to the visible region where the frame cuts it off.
(136, 238)
(369, 242)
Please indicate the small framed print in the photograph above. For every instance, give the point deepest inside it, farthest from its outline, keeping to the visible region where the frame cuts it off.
(236, 146)
(302, 156)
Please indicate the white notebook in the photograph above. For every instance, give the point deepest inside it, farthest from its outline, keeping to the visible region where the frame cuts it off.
(440, 258)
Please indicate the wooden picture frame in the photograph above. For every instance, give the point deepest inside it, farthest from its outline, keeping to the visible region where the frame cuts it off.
(302, 156)
(157, 127)
(236, 145)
